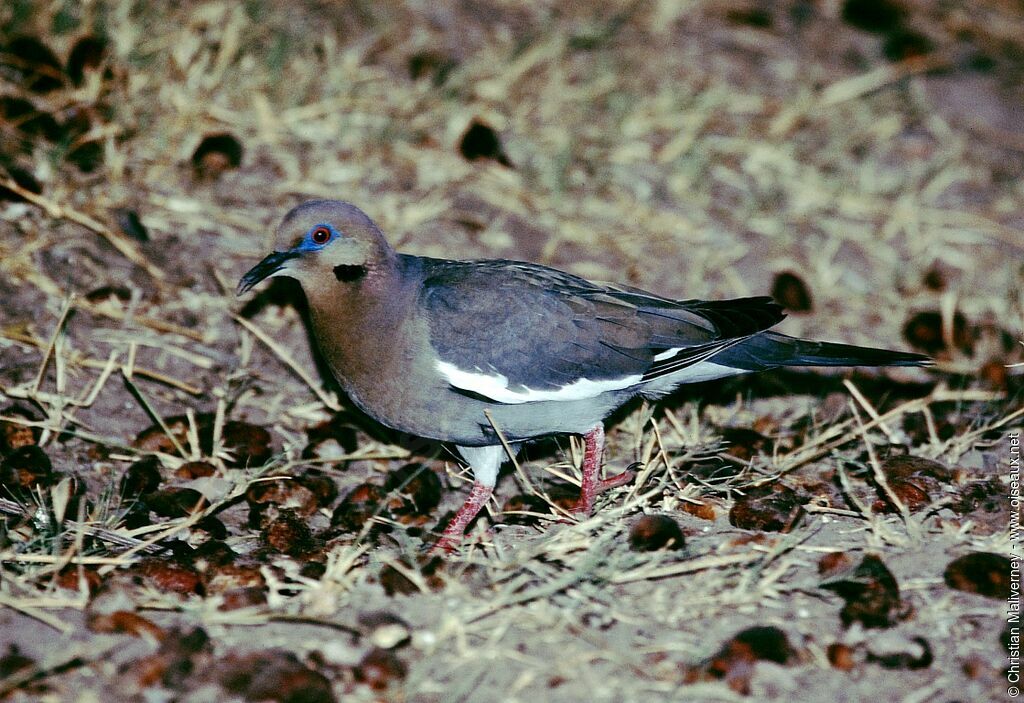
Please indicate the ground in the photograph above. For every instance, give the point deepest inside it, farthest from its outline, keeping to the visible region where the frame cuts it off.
(192, 512)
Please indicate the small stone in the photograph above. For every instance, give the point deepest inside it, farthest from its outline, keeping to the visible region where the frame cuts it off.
(13, 662)
(923, 331)
(240, 598)
(385, 630)
(153, 439)
(338, 432)
(249, 444)
(523, 503)
(73, 579)
(232, 577)
(734, 662)
(114, 293)
(124, 622)
(395, 582)
(904, 44)
(279, 494)
(873, 15)
(744, 443)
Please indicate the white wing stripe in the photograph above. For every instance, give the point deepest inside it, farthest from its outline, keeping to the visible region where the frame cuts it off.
(667, 354)
(702, 371)
(495, 386)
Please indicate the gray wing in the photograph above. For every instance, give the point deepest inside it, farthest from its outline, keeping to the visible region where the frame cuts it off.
(515, 331)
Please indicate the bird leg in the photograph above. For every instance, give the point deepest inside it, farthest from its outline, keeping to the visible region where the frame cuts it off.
(452, 534)
(484, 462)
(591, 485)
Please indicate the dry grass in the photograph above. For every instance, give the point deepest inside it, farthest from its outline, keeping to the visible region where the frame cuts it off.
(673, 146)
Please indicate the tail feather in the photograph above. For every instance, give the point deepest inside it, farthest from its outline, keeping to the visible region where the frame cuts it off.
(770, 349)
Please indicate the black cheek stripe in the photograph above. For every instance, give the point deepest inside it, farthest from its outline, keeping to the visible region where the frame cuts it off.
(348, 273)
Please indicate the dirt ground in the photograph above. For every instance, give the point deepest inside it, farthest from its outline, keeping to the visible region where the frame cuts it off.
(191, 512)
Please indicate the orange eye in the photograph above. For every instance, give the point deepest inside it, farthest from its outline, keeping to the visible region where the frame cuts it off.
(320, 235)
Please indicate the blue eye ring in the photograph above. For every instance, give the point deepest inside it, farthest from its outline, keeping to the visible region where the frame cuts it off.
(321, 234)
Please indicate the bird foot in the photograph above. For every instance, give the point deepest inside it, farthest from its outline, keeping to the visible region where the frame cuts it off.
(447, 544)
(452, 535)
(584, 506)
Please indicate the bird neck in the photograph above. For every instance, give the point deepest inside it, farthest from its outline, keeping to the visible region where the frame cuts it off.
(355, 321)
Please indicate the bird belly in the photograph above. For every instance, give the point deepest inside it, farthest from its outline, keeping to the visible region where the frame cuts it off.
(445, 414)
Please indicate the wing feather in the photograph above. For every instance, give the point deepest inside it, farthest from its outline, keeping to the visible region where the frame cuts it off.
(517, 332)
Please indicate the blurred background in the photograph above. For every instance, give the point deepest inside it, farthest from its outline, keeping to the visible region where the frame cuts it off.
(872, 148)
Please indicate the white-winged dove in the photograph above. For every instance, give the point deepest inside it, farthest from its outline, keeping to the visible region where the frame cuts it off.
(451, 350)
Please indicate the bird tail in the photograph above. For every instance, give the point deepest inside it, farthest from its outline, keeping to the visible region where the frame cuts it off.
(771, 349)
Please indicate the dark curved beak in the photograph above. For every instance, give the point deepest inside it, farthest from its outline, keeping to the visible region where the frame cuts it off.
(271, 264)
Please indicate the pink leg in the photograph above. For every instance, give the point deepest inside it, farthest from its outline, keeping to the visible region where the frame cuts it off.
(453, 533)
(591, 485)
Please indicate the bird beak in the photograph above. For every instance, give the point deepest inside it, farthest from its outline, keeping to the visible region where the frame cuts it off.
(271, 265)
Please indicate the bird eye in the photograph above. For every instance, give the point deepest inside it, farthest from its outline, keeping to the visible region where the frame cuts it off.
(320, 235)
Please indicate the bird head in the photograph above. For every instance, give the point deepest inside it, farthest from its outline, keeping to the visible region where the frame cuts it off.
(319, 241)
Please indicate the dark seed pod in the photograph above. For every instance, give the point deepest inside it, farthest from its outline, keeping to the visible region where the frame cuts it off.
(195, 469)
(20, 176)
(480, 141)
(432, 64)
(142, 477)
(28, 61)
(29, 120)
(288, 534)
(654, 532)
(872, 15)
(418, 485)
(175, 501)
(249, 444)
(871, 593)
(791, 292)
(215, 154)
(128, 222)
(14, 435)
(87, 156)
(25, 469)
(774, 508)
(379, 669)
(88, 54)
(362, 503)
(985, 573)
